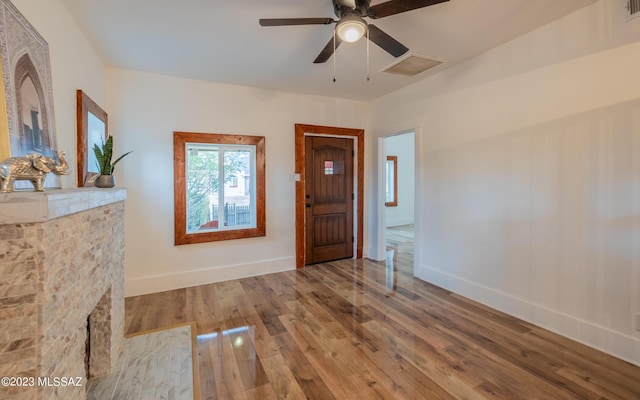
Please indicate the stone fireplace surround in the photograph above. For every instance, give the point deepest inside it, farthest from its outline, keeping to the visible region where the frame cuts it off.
(61, 262)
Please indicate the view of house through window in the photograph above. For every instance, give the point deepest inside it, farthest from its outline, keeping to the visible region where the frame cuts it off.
(220, 188)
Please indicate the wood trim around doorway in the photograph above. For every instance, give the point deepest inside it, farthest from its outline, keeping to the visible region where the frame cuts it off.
(300, 130)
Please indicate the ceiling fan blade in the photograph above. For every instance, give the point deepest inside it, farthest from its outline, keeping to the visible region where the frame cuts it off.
(327, 52)
(393, 7)
(386, 42)
(295, 21)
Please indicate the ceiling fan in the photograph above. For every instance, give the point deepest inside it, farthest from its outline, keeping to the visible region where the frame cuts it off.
(351, 26)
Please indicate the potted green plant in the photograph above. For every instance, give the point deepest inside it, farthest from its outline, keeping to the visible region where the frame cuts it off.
(104, 153)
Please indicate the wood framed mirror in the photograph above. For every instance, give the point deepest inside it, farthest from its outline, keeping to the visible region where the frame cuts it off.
(391, 184)
(92, 128)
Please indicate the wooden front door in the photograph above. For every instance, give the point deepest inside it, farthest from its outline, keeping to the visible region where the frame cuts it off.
(329, 197)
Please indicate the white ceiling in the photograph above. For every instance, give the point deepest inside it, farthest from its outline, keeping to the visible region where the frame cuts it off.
(221, 41)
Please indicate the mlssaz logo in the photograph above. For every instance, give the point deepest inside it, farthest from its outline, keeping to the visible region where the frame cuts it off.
(60, 381)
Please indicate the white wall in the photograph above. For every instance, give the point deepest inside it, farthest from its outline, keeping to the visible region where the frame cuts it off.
(74, 65)
(529, 180)
(402, 146)
(146, 109)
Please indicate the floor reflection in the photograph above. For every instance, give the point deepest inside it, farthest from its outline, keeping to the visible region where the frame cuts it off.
(400, 246)
(214, 335)
(391, 273)
(399, 254)
(235, 353)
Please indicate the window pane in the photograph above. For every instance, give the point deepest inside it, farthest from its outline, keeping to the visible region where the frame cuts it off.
(328, 167)
(202, 187)
(239, 208)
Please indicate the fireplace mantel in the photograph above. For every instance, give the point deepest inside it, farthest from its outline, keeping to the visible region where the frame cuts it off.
(24, 207)
(61, 282)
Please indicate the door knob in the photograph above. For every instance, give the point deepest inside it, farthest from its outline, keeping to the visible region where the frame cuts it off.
(308, 205)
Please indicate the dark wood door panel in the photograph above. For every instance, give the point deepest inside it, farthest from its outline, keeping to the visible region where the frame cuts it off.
(329, 179)
(329, 230)
(329, 198)
(332, 208)
(330, 253)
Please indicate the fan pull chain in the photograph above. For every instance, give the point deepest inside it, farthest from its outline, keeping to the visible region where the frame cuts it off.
(334, 55)
(368, 53)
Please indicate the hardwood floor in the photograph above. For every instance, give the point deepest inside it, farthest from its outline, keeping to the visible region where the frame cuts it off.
(369, 330)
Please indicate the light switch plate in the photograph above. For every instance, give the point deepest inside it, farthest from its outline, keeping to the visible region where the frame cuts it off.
(294, 177)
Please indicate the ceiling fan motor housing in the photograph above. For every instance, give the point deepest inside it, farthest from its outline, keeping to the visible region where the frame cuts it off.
(361, 8)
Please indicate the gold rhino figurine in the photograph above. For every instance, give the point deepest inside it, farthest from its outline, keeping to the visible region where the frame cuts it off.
(33, 167)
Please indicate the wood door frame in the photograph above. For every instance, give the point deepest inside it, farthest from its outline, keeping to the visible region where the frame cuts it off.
(300, 130)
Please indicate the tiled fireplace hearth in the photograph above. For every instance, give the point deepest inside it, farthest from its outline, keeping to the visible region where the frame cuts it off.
(61, 264)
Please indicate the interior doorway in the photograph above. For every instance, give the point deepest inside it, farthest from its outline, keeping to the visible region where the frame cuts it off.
(357, 135)
(398, 190)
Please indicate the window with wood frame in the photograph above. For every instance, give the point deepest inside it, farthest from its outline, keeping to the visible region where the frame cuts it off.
(219, 187)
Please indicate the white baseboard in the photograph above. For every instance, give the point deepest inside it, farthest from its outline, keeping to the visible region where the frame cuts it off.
(399, 221)
(599, 337)
(160, 283)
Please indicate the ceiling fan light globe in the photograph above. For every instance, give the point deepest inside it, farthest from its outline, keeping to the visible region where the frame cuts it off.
(350, 30)
(353, 34)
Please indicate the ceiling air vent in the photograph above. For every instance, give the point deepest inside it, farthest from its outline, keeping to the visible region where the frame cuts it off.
(633, 6)
(414, 64)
